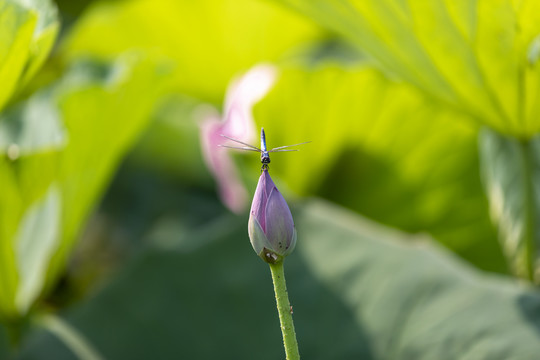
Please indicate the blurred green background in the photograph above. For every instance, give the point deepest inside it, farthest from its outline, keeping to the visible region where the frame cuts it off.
(417, 203)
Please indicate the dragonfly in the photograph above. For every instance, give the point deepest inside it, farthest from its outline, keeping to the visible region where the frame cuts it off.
(265, 153)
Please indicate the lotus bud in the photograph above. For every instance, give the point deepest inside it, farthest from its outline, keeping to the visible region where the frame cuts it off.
(271, 227)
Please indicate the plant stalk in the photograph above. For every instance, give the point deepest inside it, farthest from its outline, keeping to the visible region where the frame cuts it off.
(75, 341)
(285, 312)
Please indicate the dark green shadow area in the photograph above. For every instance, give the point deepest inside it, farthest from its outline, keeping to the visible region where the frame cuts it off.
(529, 304)
(359, 291)
(215, 302)
(4, 343)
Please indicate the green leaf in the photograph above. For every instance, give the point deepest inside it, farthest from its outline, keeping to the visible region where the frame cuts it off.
(28, 30)
(209, 41)
(383, 149)
(37, 238)
(40, 131)
(511, 170)
(54, 171)
(416, 299)
(471, 55)
(358, 290)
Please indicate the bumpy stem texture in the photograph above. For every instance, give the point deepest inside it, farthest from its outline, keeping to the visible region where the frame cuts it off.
(285, 312)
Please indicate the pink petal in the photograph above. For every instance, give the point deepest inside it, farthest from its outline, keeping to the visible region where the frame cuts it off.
(238, 123)
(218, 160)
(242, 94)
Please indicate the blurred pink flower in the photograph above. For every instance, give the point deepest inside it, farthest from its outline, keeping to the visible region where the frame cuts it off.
(237, 123)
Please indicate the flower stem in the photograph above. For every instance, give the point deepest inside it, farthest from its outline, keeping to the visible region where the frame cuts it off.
(72, 338)
(285, 312)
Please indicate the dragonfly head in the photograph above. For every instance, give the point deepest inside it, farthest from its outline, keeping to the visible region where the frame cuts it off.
(265, 157)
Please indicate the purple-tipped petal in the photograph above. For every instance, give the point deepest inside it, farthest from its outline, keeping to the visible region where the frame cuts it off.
(293, 244)
(258, 206)
(256, 236)
(260, 198)
(279, 223)
(268, 183)
(270, 216)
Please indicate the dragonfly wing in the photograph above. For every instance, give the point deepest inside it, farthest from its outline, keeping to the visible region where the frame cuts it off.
(286, 146)
(254, 148)
(282, 150)
(239, 147)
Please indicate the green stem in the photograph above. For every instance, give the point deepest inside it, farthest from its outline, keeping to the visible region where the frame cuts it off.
(285, 312)
(73, 340)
